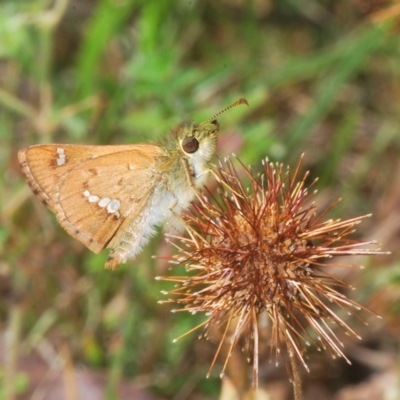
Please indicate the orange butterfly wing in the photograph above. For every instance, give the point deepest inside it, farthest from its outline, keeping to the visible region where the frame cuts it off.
(91, 189)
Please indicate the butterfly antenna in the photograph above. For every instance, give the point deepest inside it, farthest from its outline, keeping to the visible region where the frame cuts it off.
(236, 103)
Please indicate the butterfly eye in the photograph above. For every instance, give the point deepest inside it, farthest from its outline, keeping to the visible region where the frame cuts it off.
(190, 145)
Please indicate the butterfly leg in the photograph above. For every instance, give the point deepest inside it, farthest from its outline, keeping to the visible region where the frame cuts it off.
(222, 181)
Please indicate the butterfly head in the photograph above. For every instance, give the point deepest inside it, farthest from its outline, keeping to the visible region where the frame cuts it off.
(198, 142)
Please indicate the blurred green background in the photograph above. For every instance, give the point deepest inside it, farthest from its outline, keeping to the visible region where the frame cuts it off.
(321, 77)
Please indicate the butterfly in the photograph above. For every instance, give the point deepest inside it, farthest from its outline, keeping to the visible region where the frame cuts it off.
(115, 196)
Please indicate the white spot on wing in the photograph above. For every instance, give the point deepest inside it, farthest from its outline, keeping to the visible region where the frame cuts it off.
(104, 202)
(62, 158)
(113, 206)
(93, 198)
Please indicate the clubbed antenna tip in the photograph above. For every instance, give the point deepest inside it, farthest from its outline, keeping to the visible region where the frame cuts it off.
(236, 103)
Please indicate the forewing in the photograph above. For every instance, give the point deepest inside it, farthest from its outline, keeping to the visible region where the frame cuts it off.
(44, 164)
(96, 189)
